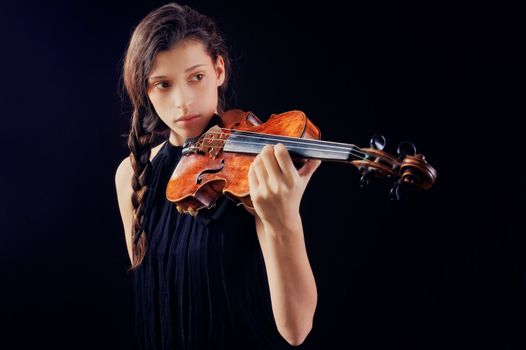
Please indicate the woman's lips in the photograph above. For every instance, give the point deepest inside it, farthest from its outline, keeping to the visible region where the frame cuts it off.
(187, 119)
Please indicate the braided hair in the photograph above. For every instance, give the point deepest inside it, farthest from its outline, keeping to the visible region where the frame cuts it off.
(160, 30)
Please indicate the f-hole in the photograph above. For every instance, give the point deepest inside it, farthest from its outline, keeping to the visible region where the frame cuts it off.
(198, 180)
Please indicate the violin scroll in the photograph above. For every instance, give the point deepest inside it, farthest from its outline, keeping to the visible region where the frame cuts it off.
(409, 168)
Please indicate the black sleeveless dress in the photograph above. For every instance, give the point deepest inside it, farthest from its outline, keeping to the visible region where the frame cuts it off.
(203, 283)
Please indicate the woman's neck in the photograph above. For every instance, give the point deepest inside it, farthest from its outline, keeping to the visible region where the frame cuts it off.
(175, 140)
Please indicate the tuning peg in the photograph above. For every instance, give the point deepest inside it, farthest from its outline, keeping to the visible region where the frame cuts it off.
(192, 211)
(394, 193)
(406, 148)
(365, 179)
(180, 209)
(377, 142)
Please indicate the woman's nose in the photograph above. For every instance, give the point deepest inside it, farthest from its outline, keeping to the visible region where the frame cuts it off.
(181, 98)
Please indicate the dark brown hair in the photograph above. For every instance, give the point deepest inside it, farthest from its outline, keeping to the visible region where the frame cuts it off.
(158, 31)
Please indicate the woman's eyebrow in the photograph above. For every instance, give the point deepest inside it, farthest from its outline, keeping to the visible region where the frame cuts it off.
(197, 65)
(186, 71)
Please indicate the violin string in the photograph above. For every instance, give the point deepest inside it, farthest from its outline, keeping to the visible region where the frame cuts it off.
(310, 142)
(351, 152)
(279, 138)
(246, 132)
(292, 147)
(294, 141)
(315, 146)
(346, 151)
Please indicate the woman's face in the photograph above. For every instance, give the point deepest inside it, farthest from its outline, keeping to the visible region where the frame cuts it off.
(184, 81)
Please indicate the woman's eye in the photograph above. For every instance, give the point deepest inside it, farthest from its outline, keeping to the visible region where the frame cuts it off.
(162, 85)
(199, 75)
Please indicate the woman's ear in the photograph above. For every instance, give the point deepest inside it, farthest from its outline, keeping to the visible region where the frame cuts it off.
(220, 70)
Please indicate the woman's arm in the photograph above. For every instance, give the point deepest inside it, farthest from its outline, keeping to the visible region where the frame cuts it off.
(276, 188)
(291, 282)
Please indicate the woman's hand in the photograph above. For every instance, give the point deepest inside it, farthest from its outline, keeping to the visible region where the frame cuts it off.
(276, 186)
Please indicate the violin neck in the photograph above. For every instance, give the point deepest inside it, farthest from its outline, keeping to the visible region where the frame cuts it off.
(253, 143)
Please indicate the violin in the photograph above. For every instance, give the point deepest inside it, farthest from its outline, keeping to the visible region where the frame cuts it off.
(217, 162)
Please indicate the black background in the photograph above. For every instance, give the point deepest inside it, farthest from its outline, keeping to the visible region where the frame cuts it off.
(440, 269)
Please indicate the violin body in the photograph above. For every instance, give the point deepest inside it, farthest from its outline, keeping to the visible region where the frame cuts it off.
(202, 176)
(217, 163)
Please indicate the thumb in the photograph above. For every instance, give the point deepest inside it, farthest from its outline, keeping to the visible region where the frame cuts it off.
(308, 168)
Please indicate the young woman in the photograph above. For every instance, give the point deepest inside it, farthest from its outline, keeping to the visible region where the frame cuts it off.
(226, 278)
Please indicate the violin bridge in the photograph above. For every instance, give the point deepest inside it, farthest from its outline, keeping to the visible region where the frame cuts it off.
(213, 141)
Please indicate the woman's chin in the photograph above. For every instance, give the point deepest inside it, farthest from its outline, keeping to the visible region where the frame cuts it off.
(188, 134)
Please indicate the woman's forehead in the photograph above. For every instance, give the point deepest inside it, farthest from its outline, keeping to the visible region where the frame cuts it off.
(180, 59)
